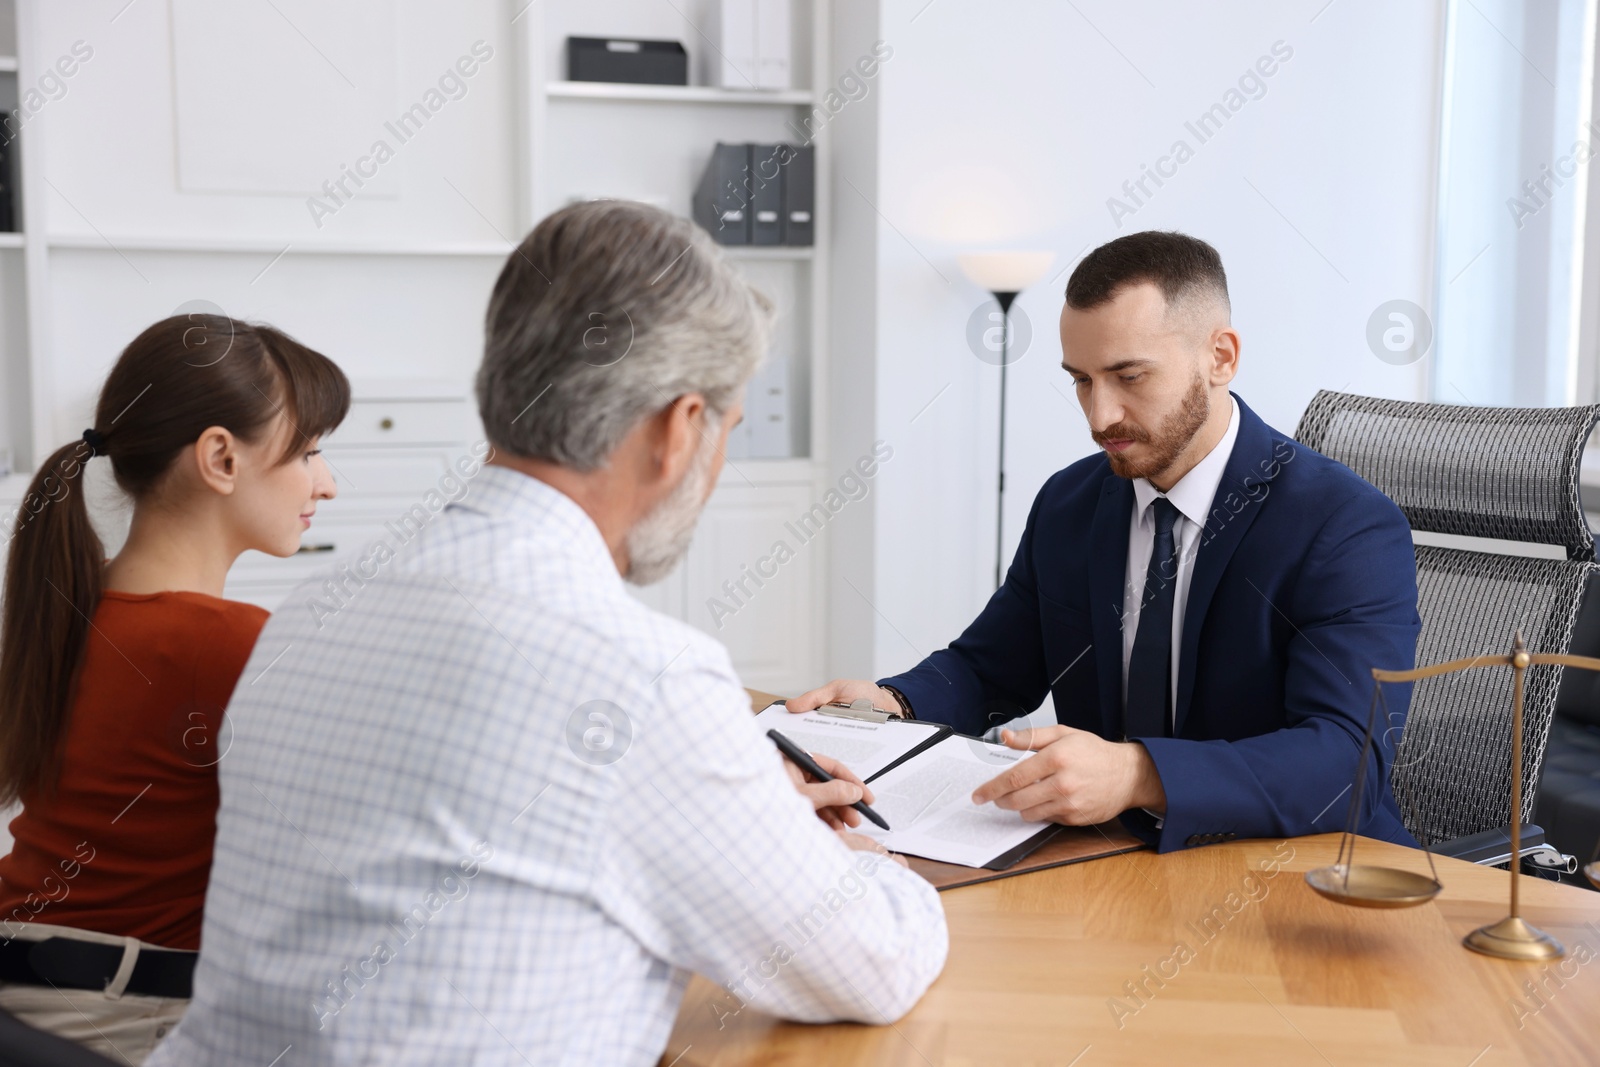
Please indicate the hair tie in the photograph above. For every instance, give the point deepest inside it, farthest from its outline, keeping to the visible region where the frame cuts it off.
(96, 442)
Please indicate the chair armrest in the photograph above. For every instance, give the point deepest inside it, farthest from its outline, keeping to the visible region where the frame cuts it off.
(1491, 847)
(26, 1047)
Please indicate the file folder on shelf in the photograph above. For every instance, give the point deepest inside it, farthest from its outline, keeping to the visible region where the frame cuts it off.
(758, 194)
(767, 177)
(753, 44)
(722, 200)
(799, 196)
(736, 63)
(772, 44)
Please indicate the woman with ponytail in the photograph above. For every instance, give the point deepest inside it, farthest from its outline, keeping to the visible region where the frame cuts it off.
(114, 674)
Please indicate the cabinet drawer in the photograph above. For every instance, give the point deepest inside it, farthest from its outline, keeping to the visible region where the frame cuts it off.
(328, 542)
(405, 422)
(400, 472)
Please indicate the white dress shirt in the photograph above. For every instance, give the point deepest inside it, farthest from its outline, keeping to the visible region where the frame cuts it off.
(430, 850)
(1192, 497)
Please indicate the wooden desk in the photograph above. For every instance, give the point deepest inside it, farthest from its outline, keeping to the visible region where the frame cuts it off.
(1041, 967)
(760, 699)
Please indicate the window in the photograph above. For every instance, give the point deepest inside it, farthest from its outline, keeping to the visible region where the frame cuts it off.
(1516, 143)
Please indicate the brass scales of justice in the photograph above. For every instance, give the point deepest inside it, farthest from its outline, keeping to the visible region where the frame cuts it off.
(1512, 938)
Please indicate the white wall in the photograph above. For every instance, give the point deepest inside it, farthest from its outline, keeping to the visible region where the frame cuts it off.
(1010, 126)
(309, 96)
(853, 623)
(132, 166)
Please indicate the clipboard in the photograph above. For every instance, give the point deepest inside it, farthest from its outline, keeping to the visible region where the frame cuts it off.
(936, 732)
(1053, 846)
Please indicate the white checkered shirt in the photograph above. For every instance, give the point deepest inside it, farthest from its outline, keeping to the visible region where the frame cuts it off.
(430, 851)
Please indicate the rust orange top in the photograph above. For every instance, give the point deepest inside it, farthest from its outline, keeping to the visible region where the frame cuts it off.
(123, 844)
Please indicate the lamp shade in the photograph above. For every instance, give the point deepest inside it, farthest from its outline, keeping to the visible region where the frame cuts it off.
(1005, 272)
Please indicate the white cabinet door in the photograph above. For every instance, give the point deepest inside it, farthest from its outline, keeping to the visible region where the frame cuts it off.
(749, 582)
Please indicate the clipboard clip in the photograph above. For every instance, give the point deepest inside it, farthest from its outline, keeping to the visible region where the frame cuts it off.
(861, 709)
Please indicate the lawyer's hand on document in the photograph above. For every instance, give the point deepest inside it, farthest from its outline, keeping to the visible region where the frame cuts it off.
(1075, 777)
(844, 690)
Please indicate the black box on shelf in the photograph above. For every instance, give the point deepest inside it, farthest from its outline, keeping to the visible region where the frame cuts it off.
(634, 62)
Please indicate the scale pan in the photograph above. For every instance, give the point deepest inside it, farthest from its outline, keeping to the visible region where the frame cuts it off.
(1372, 887)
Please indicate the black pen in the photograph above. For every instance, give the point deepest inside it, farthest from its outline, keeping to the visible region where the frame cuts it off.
(799, 758)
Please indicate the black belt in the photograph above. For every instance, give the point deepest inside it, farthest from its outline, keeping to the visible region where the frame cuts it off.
(73, 964)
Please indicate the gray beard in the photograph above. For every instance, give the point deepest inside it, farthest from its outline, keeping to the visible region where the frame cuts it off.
(658, 542)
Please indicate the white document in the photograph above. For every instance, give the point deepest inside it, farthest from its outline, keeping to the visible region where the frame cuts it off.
(864, 747)
(927, 802)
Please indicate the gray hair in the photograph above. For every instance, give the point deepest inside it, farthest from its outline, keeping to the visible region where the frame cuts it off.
(605, 314)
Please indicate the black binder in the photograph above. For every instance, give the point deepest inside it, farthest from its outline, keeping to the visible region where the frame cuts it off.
(722, 202)
(8, 206)
(799, 191)
(769, 164)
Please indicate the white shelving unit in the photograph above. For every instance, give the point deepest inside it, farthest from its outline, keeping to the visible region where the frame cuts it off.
(679, 94)
(18, 290)
(770, 252)
(137, 242)
(651, 143)
(394, 286)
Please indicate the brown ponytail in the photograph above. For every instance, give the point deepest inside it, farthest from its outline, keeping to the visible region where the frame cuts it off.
(174, 381)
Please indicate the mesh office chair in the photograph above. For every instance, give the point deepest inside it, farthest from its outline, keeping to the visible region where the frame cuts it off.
(1568, 805)
(1510, 474)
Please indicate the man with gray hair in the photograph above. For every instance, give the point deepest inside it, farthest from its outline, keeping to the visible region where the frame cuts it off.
(494, 810)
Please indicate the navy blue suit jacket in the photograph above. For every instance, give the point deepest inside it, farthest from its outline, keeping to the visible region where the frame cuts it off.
(1305, 580)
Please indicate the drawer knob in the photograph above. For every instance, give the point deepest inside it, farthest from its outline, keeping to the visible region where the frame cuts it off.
(386, 423)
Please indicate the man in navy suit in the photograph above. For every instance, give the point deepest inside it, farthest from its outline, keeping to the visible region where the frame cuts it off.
(1204, 598)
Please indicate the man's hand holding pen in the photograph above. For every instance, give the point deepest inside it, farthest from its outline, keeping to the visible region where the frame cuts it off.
(833, 801)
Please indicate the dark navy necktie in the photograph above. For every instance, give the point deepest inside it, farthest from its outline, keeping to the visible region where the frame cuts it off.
(1149, 704)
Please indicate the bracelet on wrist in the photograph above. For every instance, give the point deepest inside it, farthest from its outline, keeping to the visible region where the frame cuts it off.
(900, 698)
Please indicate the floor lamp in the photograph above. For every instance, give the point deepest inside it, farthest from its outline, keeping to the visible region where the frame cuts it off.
(1004, 274)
